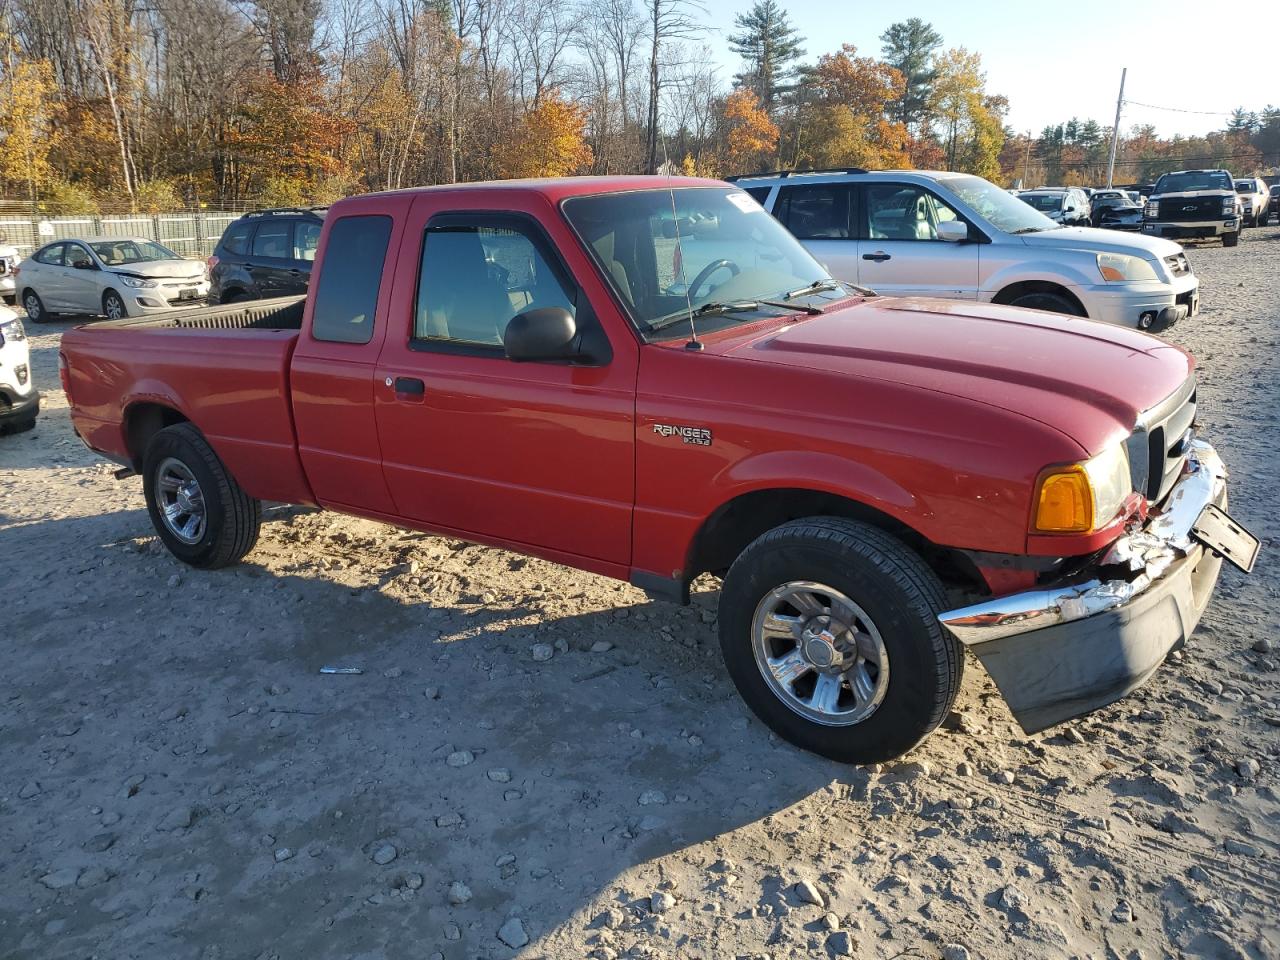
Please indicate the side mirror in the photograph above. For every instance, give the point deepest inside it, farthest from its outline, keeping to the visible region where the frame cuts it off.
(545, 333)
(953, 231)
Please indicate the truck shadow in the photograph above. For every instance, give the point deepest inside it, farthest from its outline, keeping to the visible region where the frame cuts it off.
(546, 786)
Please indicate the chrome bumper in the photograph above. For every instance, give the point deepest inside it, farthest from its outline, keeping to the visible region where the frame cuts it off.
(1148, 553)
(1063, 651)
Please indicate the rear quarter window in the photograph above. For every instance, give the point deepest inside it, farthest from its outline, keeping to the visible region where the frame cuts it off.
(346, 297)
(236, 239)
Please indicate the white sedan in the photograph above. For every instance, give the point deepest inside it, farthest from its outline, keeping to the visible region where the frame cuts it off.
(109, 276)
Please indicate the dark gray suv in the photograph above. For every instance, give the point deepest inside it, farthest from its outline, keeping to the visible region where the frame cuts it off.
(266, 253)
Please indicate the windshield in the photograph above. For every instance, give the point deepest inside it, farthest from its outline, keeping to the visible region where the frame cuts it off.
(1001, 209)
(1051, 202)
(1244, 186)
(118, 253)
(666, 251)
(1190, 180)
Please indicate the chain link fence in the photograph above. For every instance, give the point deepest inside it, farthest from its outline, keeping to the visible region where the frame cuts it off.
(189, 233)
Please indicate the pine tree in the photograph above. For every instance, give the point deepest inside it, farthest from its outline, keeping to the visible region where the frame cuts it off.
(909, 47)
(770, 46)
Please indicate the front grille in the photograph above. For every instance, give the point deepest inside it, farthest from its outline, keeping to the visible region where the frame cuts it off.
(1191, 208)
(1178, 264)
(1158, 445)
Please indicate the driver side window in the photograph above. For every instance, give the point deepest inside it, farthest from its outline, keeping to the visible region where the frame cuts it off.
(77, 255)
(475, 278)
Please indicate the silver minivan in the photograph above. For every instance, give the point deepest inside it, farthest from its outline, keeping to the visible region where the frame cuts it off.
(912, 233)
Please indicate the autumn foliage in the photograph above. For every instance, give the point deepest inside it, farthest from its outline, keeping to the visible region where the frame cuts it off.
(750, 134)
(549, 141)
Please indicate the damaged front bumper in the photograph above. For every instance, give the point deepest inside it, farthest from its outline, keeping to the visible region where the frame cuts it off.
(1064, 651)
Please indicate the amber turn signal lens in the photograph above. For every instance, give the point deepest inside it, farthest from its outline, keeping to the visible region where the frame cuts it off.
(1065, 502)
(1111, 273)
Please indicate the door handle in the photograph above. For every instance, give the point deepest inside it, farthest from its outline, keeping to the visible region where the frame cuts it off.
(408, 386)
(879, 256)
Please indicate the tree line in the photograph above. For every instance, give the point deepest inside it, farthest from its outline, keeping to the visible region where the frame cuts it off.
(126, 104)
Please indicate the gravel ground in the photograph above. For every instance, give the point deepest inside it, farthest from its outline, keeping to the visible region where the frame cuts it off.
(537, 762)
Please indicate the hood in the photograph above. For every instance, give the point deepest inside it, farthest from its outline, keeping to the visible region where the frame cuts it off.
(1094, 240)
(8, 251)
(162, 269)
(1087, 380)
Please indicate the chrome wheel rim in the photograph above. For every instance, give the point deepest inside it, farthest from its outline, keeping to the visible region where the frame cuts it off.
(181, 500)
(820, 653)
(115, 309)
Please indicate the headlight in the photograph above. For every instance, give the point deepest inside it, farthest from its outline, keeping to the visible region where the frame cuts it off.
(11, 330)
(136, 281)
(1118, 266)
(1228, 205)
(1152, 211)
(1083, 497)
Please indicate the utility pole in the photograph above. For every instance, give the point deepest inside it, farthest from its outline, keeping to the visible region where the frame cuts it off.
(1115, 130)
(1026, 163)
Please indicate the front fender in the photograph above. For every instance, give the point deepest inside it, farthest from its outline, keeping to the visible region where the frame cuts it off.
(819, 472)
(1070, 272)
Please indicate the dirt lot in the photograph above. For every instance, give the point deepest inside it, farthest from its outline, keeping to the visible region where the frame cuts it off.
(181, 782)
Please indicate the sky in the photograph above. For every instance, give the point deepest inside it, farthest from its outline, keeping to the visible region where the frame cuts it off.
(1058, 60)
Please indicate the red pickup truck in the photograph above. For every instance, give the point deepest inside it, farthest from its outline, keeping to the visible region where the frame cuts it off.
(652, 379)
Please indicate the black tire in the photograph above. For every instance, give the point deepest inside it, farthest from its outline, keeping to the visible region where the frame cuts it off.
(1231, 239)
(1053, 302)
(899, 594)
(238, 297)
(31, 300)
(1264, 219)
(231, 516)
(19, 426)
(113, 303)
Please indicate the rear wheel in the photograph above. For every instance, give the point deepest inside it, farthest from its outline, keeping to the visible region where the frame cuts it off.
(113, 306)
(1264, 219)
(829, 629)
(196, 506)
(34, 306)
(1043, 300)
(1231, 239)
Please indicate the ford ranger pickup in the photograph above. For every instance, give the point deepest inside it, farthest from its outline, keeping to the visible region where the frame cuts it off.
(650, 380)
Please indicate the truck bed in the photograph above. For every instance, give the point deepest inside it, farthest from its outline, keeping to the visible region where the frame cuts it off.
(225, 369)
(283, 313)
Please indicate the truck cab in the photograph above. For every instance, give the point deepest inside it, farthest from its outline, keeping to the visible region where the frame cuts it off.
(1194, 203)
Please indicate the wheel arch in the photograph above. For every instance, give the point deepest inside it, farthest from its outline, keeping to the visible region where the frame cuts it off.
(1022, 287)
(739, 521)
(142, 421)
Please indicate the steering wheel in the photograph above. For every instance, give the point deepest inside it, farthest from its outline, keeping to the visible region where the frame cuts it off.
(705, 274)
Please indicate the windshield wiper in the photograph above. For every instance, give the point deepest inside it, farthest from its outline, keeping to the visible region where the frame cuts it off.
(826, 283)
(738, 306)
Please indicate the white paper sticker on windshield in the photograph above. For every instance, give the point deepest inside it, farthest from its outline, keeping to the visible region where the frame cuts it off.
(744, 203)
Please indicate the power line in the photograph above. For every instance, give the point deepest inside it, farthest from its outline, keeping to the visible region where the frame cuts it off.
(1203, 113)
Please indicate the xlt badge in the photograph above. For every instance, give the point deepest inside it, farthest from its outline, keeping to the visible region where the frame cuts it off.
(698, 436)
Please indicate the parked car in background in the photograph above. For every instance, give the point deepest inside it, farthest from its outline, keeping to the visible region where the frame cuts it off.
(854, 467)
(920, 233)
(1194, 203)
(19, 399)
(9, 260)
(108, 276)
(1067, 206)
(1125, 216)
(1255, 201)
(267, 253)
(1106, 199)
(1273, 208)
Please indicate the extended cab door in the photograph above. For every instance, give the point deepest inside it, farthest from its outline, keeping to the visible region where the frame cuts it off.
(331, 374)
(899, 252)
(535, 453)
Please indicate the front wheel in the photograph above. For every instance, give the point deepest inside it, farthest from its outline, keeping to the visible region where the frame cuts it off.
(1231, 239)
(829, 629)
(34, 306)
(1264, 219)
(196, 506)
(113, 306)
